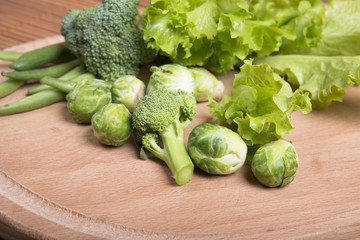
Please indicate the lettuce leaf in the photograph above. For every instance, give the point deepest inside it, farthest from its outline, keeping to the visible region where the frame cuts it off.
(299, 22)
(324, 77)
(340, 32)
(260, 105)
(187, 31)
(220, 34)
(308, 28)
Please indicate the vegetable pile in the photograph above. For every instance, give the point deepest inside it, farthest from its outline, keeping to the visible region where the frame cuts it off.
(289, 55)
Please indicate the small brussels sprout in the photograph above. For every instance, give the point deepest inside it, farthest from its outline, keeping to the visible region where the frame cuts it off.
(216, 149)
(171, 77)
(275, 163)
(112, 124)
(175, 77)
(206, 84)
(128, 90)
(86, 98)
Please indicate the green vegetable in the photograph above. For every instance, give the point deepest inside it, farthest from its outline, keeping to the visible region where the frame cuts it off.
(112, 124)
(340, 31)
(216, 149)
(39, 97)
(9, 55)
(193, 80)
(62, 85)
(33, 102)
(158, 123)
(84, 97)
(299, 21)
(325, 78)
(260, 105)
(70, 75)
(207, 85)
(9, 86)
(218, 34)
(275, 164)
(128, 90)
(105, 37)
(171, 77)
(39, 57)
(37, 74)
(66, 85)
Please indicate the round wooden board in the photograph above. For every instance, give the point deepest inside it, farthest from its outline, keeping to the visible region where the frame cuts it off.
(58, 182)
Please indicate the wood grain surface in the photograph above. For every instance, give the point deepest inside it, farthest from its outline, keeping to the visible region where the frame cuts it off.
(58, 182)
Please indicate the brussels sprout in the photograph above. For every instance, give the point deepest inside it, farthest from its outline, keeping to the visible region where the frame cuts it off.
(216, 149)
(206, 84)
(195, 80)
(128, 90)
(171, 77)
(86, 98)
(112, 124)
(275, 163)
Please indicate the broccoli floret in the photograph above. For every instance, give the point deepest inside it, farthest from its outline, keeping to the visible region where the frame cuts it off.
(106, 38)
(158, 122)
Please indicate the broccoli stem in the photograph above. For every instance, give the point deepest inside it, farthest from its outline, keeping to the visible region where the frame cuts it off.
(175, 154)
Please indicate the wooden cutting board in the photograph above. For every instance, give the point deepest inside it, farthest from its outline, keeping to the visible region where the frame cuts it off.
(58, 182)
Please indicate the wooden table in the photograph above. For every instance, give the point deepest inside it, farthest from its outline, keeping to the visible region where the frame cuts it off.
(58, 182)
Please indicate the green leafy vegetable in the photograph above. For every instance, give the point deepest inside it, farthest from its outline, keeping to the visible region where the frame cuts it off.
(112, 124)
(325, 78)
(216, 149)
(207, 85)
(275, 163)
(260, 104)
(219, 34)
(171, 77)
(86, 98)
(340, 31)
(128, 90)
(174, 77)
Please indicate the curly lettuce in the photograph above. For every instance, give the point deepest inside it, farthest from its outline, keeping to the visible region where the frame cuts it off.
(220, 34)
(300, 22)
(260, 105)
(324, 77)
(340, 32)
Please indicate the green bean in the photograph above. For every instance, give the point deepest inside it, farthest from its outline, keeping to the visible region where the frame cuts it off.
(9, 55)
(9, 86)
(73, 73)
(81, 77)
(38, 88)
(64, 86)
(65, 57)
(33, 102)
(38, 57)
(37, 74)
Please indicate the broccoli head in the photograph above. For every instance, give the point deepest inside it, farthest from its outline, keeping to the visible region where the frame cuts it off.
(158, 122)
(106, 39)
